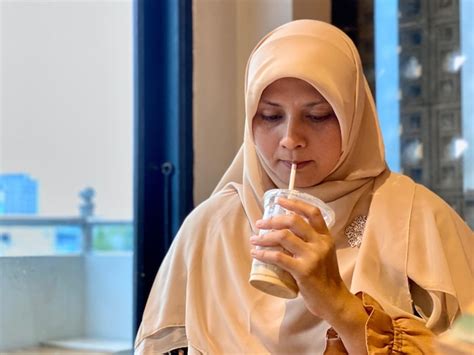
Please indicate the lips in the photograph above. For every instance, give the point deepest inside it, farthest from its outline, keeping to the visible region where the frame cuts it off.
(299, 164)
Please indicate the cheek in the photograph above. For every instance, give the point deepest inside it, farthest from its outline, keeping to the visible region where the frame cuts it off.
(264, 142)
(335, 141)
(327, 143)
(261, 142)
(338, 139)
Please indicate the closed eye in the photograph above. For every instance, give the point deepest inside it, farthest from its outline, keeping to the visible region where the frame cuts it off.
(271, 118)
(320, 118)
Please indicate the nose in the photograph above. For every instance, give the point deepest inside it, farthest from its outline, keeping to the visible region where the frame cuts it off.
(293, 135)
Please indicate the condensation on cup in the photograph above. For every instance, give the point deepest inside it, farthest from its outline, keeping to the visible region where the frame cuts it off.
(270, 278)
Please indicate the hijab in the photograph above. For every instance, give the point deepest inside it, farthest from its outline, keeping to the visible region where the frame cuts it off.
(201, 297)
(326, 58)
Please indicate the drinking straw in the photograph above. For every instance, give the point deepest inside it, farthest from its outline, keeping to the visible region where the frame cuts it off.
(291, 185)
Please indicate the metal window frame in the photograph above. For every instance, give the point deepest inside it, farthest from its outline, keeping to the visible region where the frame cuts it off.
(163, 144)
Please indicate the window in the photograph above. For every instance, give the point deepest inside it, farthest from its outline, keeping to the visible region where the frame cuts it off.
(424, 89)
(66, 175)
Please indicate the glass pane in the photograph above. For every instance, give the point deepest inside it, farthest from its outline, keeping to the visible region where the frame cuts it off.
(50, 240)
(424, 71)
(66, 178)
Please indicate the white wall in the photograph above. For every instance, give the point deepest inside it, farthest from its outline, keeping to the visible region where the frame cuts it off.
(56, 298)
(109, 296)
(41, 298)
(225, 32)
(214, 104)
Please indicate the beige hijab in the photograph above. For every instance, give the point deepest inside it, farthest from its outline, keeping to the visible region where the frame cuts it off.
(326, 58)
(201, 297)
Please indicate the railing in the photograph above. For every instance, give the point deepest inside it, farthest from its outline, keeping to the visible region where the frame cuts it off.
(84, 234)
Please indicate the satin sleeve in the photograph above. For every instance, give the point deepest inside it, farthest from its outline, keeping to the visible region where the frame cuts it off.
(386, 335)
(402, 335)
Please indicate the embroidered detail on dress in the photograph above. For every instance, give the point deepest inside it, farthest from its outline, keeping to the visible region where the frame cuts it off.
(355, 230)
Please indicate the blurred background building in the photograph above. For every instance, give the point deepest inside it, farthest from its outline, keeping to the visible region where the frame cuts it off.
(18, 194)
(432, 139)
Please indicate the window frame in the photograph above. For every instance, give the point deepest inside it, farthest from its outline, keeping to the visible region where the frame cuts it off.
(163, 144)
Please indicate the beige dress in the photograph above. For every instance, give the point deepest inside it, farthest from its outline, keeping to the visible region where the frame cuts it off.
(202, 299)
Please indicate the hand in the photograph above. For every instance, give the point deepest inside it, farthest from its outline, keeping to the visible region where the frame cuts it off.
(312, 261)
(311, 257)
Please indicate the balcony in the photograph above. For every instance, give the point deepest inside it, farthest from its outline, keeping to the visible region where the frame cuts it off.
(66, 285)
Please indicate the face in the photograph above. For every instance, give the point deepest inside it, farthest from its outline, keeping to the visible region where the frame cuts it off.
(294, 123)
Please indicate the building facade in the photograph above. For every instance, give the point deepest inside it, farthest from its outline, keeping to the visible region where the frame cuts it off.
(430, 65)
(18, 194)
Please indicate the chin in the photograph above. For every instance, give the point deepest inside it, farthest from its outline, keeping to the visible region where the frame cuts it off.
(307, 182)
(305, 185)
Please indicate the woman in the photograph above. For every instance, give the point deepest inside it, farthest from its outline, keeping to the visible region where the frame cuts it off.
(389, 274)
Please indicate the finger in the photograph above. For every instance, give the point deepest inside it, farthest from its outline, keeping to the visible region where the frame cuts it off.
(311, 213)
(293, 222)
(276, 257)
(284, 238)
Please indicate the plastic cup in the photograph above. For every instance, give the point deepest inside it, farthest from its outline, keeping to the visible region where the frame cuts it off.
(272, 279)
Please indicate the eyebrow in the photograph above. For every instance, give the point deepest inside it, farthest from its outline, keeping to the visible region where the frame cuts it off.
(309, 104)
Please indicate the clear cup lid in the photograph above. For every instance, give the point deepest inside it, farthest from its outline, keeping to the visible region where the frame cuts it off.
(326, 211)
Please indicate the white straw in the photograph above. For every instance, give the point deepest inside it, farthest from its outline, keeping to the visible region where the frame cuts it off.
(291, 185)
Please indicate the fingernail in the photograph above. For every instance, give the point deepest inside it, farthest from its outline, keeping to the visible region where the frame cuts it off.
(259, 222)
